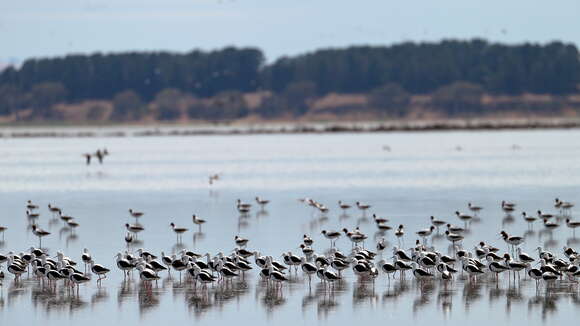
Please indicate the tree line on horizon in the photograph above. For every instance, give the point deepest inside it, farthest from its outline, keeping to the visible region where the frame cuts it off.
(457, 71)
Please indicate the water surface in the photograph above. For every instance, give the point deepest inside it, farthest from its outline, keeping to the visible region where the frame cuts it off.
(423, 174)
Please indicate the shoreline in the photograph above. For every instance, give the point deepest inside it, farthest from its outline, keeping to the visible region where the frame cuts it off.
(84, 131)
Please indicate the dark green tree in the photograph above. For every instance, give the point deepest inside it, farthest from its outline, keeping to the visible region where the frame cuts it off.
(228, 105)
(297, 95)
(273, 107)
(391, 99)
(44, 96)
(127, 105)
(458, 98)
(168, 104)
(11, 99)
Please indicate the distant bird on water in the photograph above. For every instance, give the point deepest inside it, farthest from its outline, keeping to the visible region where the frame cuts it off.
(40, 233)
(198, 221)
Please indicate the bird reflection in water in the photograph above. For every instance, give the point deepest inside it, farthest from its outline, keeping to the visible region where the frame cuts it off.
(271, 297)
(529, 234)
(425, 292)
(513, 296)
(198, 236)
(471, 293)
(242, 223)
(126, 292)
(100, 296)
(198, 303)
(177, 247)
(445, 301)
(507, 220)
(71, 238)
(364, 294)
(148, 299)
(63, 231)
(573, 241)
(53, 222)
(343, 217)
(546, 304)
(326, 304)
(262, 213)
(495, 293)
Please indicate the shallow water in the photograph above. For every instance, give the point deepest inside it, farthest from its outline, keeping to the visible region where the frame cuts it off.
(423, 174)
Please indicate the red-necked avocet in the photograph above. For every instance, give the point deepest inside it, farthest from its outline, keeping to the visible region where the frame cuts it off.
(330, 276)
(135, 214)
(421, 274)
(124, 264)
(308, 268)
(362, 206)
(436, 223)
(474, 209)
(425, 233)
(550, 225)
(198, 221)
(343, 206)
(32, 215)
(529, 218)
(178, 231)
(563, 206)
(134, 228)
(147, 275)
(262, 202)
(381, 245)
(464, 217)
(400, 232)
(306, 250)
(514, 266)
(380, 220)
(511, 240)
(78, 279)
(331, 235)
(40, 233)
(30, 205)
(453, 237)
(54, 210)
(455, 229)
(241, 242)
(100, 271)
(387, 268)
(508, 207)
(572, 225)
(523, 257)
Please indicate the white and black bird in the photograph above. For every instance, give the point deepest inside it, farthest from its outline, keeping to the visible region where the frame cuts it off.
(362, 206)
(262, 202)
(179, 231)
(134, 228)
(240, 242)
(40, 233)
(331, 235)
(135, 214)
(100, 271)
(198, 221)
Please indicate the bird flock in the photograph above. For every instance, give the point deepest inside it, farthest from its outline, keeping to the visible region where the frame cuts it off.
(316, 261)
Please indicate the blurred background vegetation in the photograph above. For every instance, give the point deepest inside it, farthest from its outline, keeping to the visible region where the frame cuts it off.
(409, 80)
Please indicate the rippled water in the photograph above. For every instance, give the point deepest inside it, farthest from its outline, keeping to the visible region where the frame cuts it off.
(423, 174)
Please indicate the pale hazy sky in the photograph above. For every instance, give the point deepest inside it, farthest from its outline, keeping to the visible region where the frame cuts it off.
(33, 28)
